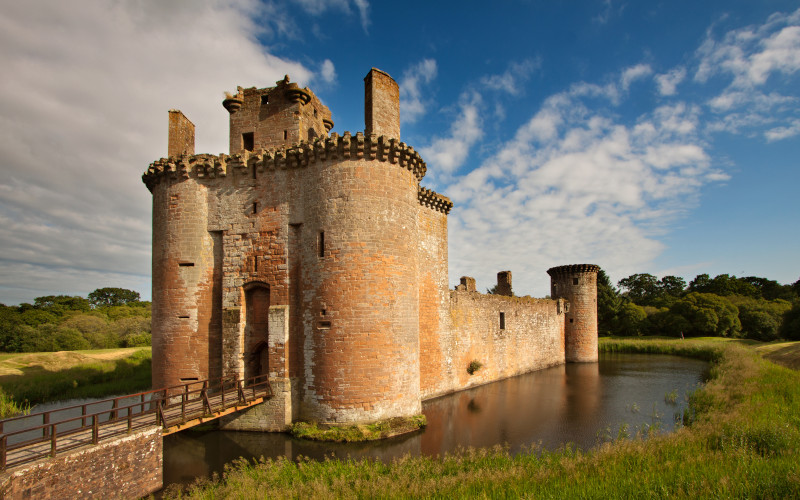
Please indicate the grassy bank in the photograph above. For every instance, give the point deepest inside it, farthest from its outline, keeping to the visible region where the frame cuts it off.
(743, 441)
(27, 379)
(359, 432)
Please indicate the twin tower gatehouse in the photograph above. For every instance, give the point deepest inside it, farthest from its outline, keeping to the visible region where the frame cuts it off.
(318, 259)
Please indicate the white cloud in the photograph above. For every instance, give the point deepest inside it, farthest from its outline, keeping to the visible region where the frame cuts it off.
(446, 154)
(630, 75)
(319, 7)
(413, 103)
(327, 71)
(749, 60)
(513, 78)
(84, 111)
(668, 82)
(779, 133)
(576, 185)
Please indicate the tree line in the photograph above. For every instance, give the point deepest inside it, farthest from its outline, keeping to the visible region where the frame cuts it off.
(725, 306)
(106, 318)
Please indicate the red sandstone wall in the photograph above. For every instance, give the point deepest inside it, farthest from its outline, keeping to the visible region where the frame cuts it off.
(533, 338)
(360, 296)
(186, 330)
(128, 467)
(578, 285)
(434, 301)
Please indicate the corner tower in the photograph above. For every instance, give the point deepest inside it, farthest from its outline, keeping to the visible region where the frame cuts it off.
(578, 284)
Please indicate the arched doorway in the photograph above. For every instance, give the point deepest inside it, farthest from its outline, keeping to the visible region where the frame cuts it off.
(256, 333)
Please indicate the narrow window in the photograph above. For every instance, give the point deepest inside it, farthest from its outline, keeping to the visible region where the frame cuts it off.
(322, 243)
(502, 321)
(570, 320)
(248, 142)
(315, 112)
(255, 264)
(285, 134)
(255, 207)
(183, 316)
(186, 264)
(265, 99)
(324, 325)
(574, 281)
(254, 171)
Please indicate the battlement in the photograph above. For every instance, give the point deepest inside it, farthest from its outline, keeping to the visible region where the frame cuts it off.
(434, 200)
(572, 269)
(300, 155)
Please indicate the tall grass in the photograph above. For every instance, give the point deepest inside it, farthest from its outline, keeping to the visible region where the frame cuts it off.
(742, 441)
(88, 380)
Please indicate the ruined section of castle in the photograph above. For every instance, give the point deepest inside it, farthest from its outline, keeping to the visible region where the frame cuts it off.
(320, 260)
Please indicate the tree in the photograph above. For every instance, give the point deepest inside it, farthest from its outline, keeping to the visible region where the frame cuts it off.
(112, 297)
(608, 303)
(790, 328)
(61, 303)
(631, 320)
(708, 314)
(640, 288)
(672, 286)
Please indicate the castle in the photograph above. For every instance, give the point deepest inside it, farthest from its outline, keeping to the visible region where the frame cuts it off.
(320, 260)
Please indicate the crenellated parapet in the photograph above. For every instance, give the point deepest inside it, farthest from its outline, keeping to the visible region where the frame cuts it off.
(434, 200)
(300, 155)
(572, 269)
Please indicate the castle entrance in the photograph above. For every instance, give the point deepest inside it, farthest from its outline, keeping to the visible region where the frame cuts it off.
(256, 333)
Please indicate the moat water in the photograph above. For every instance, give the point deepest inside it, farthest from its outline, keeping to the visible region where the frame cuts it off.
(582, 404)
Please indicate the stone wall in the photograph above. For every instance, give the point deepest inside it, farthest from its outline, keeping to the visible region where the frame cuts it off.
(127, 467)
(530, 336)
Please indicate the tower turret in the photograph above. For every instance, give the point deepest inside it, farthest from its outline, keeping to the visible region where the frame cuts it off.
(578, 284)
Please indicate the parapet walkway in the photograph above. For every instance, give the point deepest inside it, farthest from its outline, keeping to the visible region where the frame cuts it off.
(32, 437)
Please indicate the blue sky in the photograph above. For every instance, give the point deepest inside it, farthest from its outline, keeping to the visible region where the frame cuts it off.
(659, 137)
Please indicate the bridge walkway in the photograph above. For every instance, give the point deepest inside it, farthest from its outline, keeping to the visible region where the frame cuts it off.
(32, 437)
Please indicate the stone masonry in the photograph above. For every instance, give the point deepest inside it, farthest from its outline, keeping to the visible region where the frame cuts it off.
(319, 260)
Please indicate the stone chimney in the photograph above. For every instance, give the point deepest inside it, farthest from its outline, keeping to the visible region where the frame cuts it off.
(181, 135)
(381, 105)
(504, 284)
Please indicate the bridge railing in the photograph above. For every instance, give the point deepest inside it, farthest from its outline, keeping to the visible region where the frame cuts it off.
(48, 433)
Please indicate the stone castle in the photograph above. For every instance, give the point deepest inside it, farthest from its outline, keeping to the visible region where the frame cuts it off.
(320, 260)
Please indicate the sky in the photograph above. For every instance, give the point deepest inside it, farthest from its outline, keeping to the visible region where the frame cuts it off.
(645, 137)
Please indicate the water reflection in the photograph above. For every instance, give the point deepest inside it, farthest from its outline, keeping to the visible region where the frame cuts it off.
(574, 403)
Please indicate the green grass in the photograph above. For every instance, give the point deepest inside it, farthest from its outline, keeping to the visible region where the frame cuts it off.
(741, 440)
(30, 379)
(359, 432)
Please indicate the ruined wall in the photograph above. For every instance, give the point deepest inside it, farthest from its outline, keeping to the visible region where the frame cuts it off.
(530, 337)
(180, 137)
(381, 105)
(127, 467)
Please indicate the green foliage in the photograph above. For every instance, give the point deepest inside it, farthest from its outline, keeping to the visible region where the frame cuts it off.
(609, 302)
(790, 328)
(708, 314)
(631, 320)
(95, 379)
(103, 297)
(647, 290)
(60, 322)
(761, 319)
(358, 432)
(474, 366)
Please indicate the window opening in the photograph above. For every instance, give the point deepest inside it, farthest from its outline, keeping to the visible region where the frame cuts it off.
(255, 207)
(248, 142)
(502, 321)
(324, 325)
(574, 281)
(285, 134)
(255, 264)
(265, 99)
(186, 264)
(322, 243)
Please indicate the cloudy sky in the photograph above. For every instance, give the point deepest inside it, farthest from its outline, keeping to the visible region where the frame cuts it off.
(659, 137)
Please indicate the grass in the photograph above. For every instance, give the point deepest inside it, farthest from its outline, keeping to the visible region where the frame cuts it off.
(28, 379)
(359, 432)
(741, 440)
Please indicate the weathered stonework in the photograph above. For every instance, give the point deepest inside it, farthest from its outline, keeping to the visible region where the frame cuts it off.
(318, 258)
(127, 467)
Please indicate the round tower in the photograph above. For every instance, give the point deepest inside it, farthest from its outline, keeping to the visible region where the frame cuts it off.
(577, 284)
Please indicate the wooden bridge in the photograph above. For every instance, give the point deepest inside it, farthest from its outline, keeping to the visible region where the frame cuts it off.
(29, 438)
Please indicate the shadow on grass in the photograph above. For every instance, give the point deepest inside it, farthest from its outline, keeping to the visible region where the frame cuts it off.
(90, 380)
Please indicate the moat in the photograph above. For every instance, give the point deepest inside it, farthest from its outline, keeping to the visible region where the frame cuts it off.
(582, 404)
